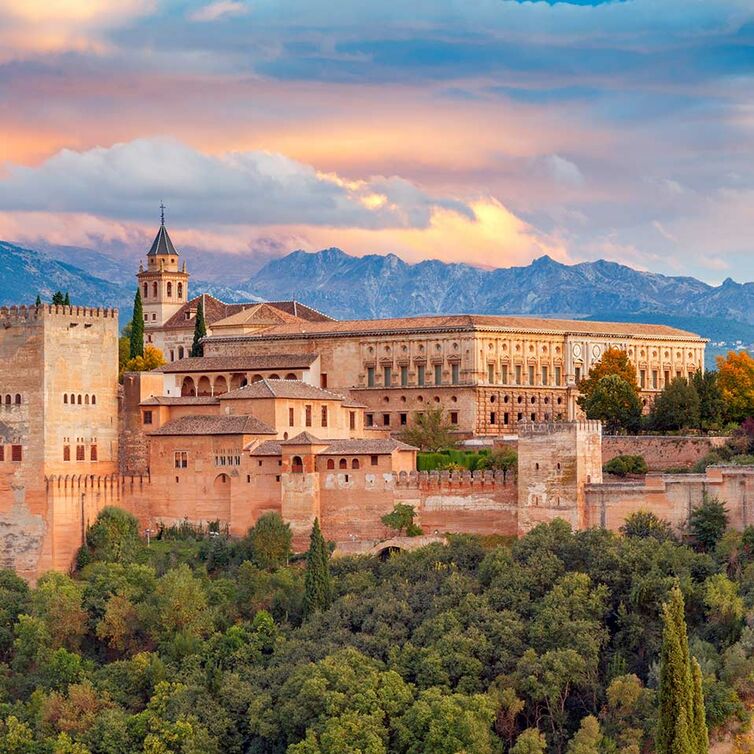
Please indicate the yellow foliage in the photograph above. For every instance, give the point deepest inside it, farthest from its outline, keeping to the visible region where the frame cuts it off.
(151, 359)
(736, 381)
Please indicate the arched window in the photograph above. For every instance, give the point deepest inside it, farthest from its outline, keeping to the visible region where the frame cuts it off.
(65, 397)
(86, 399)
(180, 291)
(330, 463)
(297, 465)
(73, 399)
(180, 352)
(290, 376)
(154, 289)
(274, 377)
(18, 399)
(7, 400)
(94, 400)
(79, 400)
(146, 290)
(343, 463)
(170, 289)
(355, 463)
(188, 388)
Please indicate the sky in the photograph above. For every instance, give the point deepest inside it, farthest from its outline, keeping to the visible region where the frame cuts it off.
(489, 132)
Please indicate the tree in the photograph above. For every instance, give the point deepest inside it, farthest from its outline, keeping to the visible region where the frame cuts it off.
(680, 728)
(708, 522)
(531, 741)
(401, 518)
(644, 524)
(614, 401)
(151, 359)
(736, 381)
(614, 361)
(711, 404)
(38, 302)
(429, 430)
(500, 459)
(58, 298)
(317, 583)
(137, 328)
(200, 330)
(270, 541)
(114, 536)
(676, 407)
(628, 464)
(587, 738)
(66, 299)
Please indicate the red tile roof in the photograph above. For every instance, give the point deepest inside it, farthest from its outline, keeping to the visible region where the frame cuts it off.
(215, 425)
(267, 388)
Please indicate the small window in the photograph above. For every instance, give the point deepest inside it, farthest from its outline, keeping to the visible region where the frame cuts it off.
(18, 399)
(66, 452)
(386, 420)
(324, 416)
(455, 373)
(454, 417)
(491, 374)
(297, 465)
(180, 291)
(277, 477)
(330, 463)
(369, 420)
(506, 418)
(291, 417)
(65, 397)
(322, 380)
(355, 463)
(404, 376)
(420, 375)
(170, 289)
(343, 463)
(248, 479)
(374, 460)
(438, 374)
(531, 375)
(80, 453)
(352, 419)
(533, 416)
(92, 452)
(154, 290)
(94, 400)
(493, 417)
(403, 419)
(146, 290)
(79, 400)
(308, 416)
(2, 452)
(370, 376)
(181, 459)
(147, 417)
(16, 453)
(387, 378)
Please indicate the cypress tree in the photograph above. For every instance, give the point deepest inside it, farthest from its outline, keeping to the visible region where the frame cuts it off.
(57, 298)
(38, 302)
(136, 347)
(200, 330)
(66, 299)
(317, 584)
(681, 728)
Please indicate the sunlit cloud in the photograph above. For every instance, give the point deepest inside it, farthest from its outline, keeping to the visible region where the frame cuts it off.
(219, 9)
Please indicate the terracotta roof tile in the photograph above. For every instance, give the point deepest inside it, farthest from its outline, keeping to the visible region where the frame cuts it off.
(281, 389)
(281, 361)
(215, 425)
(166, 400)
(304, 438)
(267, 448)
(361, 447)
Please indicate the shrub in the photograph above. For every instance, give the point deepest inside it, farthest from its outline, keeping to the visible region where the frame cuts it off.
(644, 524)
(623, 465)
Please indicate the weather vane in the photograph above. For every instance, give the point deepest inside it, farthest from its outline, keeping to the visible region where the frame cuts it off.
(162, 213)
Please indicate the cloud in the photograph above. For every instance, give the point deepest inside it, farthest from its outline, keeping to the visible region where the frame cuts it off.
(560, 170)
(219, 9)
(128, 180)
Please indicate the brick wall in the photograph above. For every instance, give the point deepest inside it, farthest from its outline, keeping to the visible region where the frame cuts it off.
(660, 452)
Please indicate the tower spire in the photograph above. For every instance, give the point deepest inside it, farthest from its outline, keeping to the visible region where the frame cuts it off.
(162, 214)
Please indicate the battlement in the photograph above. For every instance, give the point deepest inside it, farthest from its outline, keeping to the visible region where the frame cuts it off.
(23, 313)
(529, 429)
(69, 482)
(452, 480)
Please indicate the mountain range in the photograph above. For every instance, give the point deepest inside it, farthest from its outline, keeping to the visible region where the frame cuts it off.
(375, 286)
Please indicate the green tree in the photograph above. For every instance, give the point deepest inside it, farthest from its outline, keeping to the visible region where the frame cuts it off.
(626, 464)
(429, 430)
(676, 407)
(114, 536)
(58, 298)
(587, 738)
(500, 459)
(136, 341)
(38, 302)
(708, 522)
(180, 607)
(678, 725)
(200, 330)
(66, 299)
(645, 524)
(711, 402)
(317, 582)
(270, 541)
(401, 519)
(615, 402)
(700, 735)
(530, 741)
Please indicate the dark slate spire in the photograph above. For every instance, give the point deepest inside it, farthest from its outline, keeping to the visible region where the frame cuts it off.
(162, 245)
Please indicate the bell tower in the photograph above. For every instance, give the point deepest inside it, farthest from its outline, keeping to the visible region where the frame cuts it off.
(163, 284)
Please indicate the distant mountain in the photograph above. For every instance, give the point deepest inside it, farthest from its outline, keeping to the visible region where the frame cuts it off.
(385, 286)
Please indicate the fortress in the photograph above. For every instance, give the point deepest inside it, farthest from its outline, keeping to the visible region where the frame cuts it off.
(291, 411)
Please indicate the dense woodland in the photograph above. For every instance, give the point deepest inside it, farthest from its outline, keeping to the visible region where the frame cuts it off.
(201, 644)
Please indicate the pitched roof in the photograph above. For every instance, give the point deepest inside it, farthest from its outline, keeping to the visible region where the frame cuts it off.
(465, 323)
(280, 361)
(184, 400)
(267, 448)
(216, 310)
(372, 447)
(162, 245)
(304, 438)
(215, 425)
(267, 388)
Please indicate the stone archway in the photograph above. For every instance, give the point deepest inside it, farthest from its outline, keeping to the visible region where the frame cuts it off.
(204, 387)
(187, 387)
(221, 385)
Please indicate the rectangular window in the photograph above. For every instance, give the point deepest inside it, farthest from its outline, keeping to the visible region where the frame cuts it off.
(518, 374)
(642, 379)
(369, 420)
(324, 416)
(2, 452)
(92, 452)
(654, 379)
(374, 460)
(387, 377)
(404, 419)
(506, 418)
(181, 459)
(455, 373)
(667, 377)
(493, 417)
(147, 417)
(66, 452)
(454, 417)
(172, 355)
(544, 375)
(531, 375)
(291, 417)
(80, 453)
(248, 479)
(491, 374)
(677, 372)
(404, 376)
(438, 374)
(16, 453)
(558, 376)
(323, 381)
(308, 416)
(505, 374)
(370, 376)
(386, 420)
(578, 375)
(352, 420)
(420, 375)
